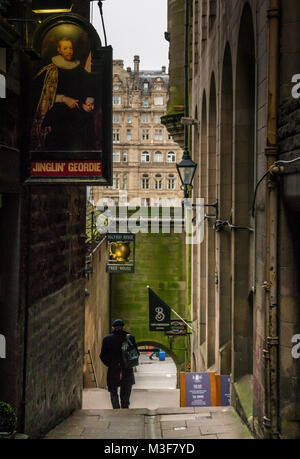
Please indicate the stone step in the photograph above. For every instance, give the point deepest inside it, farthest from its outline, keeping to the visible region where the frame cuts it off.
(164, 423)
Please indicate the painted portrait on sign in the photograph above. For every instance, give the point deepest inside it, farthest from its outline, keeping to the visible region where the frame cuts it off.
(66, 101)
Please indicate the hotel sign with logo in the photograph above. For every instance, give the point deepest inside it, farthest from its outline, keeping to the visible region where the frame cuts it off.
(68, 105)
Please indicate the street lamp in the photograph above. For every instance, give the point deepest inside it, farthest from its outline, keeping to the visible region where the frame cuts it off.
(187, 167)
(186, 170)
(51, 6)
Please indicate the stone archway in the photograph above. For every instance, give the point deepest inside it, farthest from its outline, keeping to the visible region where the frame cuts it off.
(203, 194)
(180, 365)
(243, 186)
(210, 233)
(225, 210)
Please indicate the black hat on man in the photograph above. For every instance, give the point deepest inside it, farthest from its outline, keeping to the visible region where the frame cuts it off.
(118, 323)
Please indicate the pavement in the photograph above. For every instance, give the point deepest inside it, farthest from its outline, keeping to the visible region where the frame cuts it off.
(164, 423)
(154, 413)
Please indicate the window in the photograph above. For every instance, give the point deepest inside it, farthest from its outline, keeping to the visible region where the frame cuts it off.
(157, 184)
(171, 182)
(116, 156)
(170, 137)
(116, 117)
(124, 156)
(171, 157)
(145, 118)
(158, 134)
(124, 181)
(158, 157)
(2, 86)
(116, 182)
(146, 86)
(116, 135)
(158, 87)
(157, 119)
(128, 118)
(145, 202)
(158, 100)
(128, 134)
(145, 134)
(145, 158)
(146, 102)
(117, 100)
(145, 182)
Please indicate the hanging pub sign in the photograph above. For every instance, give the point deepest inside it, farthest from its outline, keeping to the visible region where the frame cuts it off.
(177, 327)
(68, 105)
(121, 252)
(159, 313)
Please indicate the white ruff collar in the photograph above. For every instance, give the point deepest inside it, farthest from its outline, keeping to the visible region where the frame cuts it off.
(60, 62)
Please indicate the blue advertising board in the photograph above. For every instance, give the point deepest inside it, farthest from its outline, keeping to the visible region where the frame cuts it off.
(198, 391)
(204, 389)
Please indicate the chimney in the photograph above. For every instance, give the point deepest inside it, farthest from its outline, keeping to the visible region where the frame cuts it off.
(136, 61)
(118, 62)
(163, 69)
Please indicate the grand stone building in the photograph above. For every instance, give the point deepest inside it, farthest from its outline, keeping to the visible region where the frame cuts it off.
(144, 153)
(243, 57)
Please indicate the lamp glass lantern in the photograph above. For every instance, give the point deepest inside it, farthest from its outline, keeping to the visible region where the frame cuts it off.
(51, 6)
(186, 170)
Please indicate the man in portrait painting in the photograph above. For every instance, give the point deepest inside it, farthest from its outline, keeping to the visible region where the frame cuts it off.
(64, 116)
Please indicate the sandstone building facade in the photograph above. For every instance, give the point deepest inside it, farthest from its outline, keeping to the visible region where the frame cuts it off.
(144, 153)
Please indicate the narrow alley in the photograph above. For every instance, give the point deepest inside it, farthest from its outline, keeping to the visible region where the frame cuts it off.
(150, 206)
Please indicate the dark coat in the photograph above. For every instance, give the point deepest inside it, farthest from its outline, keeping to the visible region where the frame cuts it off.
(111, 356)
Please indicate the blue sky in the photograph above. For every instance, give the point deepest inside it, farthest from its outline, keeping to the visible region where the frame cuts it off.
(135, 27)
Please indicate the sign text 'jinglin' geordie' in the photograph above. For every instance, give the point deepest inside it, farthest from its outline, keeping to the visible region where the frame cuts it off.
(66, 168)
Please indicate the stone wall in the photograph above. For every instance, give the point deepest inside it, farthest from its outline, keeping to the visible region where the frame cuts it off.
(97, 315)
(54, 358)
(54, 323)
(289, 268)
(160, 263)
(41, 270)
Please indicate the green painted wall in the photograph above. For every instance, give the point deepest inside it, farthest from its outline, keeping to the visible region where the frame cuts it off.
(161, 264)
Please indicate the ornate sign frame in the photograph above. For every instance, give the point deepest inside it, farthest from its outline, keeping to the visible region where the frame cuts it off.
(67, 105)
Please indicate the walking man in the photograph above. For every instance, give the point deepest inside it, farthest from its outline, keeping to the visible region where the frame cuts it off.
(117, 375)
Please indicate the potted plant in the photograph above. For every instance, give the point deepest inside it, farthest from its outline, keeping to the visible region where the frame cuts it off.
(8, 420)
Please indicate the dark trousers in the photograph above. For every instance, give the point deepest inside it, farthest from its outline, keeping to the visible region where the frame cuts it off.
(125, 392)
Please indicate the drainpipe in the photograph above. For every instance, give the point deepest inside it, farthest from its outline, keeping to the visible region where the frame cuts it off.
(270, 421)
(187, 354)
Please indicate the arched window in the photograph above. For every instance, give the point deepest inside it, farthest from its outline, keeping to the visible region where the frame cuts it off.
(145, 158)
(158, 182)
(171, 157)
(158, 157)
(116, 182)
(145, 182)
(2, 87)
(171, 182)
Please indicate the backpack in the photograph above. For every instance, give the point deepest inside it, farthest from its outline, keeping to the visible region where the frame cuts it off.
(130, 353)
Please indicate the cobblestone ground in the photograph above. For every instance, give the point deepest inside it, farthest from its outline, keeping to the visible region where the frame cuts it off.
(164, 423)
